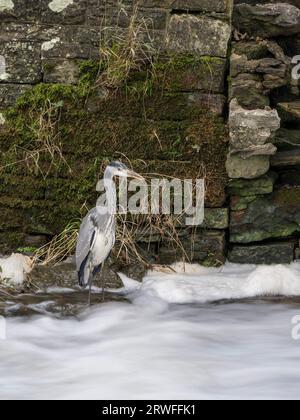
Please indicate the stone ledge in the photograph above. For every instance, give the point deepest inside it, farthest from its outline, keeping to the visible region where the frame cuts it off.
(273, 253)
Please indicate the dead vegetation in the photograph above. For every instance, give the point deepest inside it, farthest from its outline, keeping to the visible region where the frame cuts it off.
(44, 144)
(124, 51)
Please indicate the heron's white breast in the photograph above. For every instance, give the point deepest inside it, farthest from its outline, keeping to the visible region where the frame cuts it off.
(102, 247)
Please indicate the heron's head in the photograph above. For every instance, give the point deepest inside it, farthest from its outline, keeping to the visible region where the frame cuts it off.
(117, 168)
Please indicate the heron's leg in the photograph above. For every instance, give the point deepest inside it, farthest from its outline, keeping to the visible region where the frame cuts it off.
(90, 294)
(90, 285)
(103, 282)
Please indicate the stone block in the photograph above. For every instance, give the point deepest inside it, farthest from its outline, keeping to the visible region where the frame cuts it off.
(9, 93)
(198, 35)
(267, 20)
(276, 215)
(258, 186)
(216, 218)
(188, 73)
(68, 12)
(22, 62)
(60, 71)
(252, 167)
(204, 247)
(273, 253)
(250, 128)
(289, 111)
(149, 19)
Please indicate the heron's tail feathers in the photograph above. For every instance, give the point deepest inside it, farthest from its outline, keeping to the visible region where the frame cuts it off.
(84, 274)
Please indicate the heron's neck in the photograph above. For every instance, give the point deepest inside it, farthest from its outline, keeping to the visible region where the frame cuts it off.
(111, 196)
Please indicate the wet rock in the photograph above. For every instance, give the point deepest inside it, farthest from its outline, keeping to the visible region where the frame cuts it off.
(273, 253)
(64, 275)
(59, 304)
(289, 111)
(258, 186)
(198, 34)
(286, 158)
(267, 20)
(275, 215)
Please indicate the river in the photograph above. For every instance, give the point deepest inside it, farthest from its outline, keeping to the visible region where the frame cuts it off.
(203, 333)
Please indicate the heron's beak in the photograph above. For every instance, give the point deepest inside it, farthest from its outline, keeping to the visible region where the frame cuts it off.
(134, 175)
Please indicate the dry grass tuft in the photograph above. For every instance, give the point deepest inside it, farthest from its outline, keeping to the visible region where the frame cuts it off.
(45, 143)
(123, 51)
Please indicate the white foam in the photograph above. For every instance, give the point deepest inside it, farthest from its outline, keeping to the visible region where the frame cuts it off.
(196, 284)
(152, 349)
(14, 269)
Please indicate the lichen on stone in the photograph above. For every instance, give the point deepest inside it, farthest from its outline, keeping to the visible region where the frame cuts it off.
(60, 5)
(6, 5)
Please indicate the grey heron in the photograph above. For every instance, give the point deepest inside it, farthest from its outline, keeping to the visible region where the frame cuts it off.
(97, 232)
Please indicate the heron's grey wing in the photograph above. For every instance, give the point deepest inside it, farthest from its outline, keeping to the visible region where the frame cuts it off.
(85, 237)
(92, 221)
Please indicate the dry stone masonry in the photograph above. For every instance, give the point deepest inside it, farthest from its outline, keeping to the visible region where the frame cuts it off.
(263, 159)
(228, 62)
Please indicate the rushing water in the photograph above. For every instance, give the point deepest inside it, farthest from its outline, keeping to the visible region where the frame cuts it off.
(171, 341)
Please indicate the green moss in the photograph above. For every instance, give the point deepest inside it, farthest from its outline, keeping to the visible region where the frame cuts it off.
(156, 128)
(289, 197)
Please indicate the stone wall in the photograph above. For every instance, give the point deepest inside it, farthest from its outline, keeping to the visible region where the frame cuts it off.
(263, 161)
(48, 50)
(178, 129)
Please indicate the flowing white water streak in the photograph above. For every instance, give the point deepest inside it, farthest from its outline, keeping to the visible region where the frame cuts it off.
(154, 349)
(193, 283)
